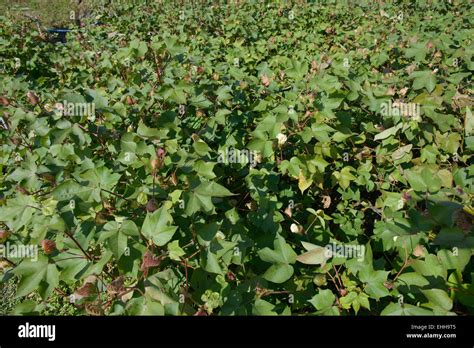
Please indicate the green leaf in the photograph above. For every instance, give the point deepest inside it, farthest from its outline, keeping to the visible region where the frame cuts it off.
(101, 177)
(339, 137)
(210, 263)
(457, 259)
(144, 306)
(118, 243)
(158, 226)
(424, 78)
(418, 51)
(31, 273)
(223, 93)
(281, 256)
(70, 189)
(323, 299)
(50, 281)
(374, 282)
(116, 233)
(438, 298)
(175, 251)
(355, 300)
(200, 101)
(404, 309)
(201, 197)
(278, 273)
(344, 177)
(350, 300)
(18, 211)
(388, 132)
(147, 132)
(201, 148)
(282, 252)
(424, 180)
(401, 152)
(430, 266)
(262, 307)
(412, 279)
(212, 189)
(205, 169)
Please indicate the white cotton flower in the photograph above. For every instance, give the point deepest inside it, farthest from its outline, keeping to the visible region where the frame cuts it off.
(281, 138)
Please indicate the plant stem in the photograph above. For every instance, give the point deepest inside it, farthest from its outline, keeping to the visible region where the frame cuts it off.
(79, 245)
(115, 194)
(9, 261)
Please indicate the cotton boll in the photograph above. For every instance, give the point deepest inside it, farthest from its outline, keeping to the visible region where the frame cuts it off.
(281, 139)
(296, 228)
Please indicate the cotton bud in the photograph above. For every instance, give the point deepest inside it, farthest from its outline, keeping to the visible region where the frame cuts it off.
(4, 235)
(160, 153)
(151, 206)
(48, 246)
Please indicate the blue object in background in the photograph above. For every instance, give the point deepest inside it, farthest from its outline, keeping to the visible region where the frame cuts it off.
(61, 34)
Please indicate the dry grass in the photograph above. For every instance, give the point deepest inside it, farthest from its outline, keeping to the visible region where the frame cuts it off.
(51, 13)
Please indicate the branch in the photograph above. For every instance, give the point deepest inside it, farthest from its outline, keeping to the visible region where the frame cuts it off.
(9, 261)
(115, 194)
(79, 245)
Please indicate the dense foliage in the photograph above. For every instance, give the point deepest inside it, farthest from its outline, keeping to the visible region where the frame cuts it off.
(212, 153)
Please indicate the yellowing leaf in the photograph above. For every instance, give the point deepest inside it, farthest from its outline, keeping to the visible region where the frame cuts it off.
(303, 184)
(402, 151)
(388, 132)
(468, 122)
(419, 251)
(446, 177)
(316, 255)
(344, 177)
